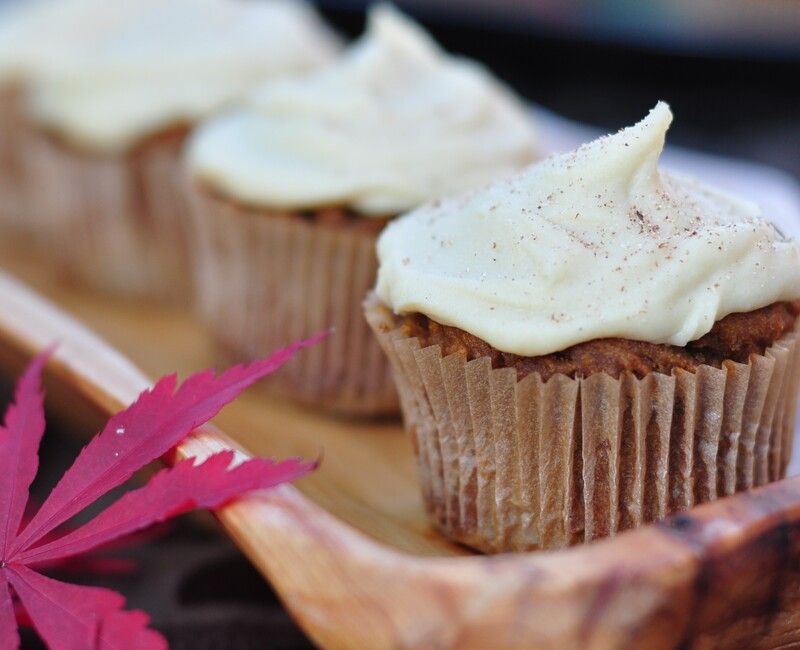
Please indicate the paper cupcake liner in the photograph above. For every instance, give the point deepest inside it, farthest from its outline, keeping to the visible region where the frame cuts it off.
(510, 465)
(265, 279)
(13, 217)
(114, 223)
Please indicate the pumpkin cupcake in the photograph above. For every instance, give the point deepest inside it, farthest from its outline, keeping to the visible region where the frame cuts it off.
(589, 345)
(12, 201)
(33, 36)
(111, 116)
(290, 191)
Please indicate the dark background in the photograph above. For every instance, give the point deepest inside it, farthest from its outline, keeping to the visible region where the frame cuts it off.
(735, 90)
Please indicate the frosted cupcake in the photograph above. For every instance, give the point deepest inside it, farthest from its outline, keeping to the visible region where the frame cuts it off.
(111, 116)
(291, 190)
(32, 37)
(589, 345)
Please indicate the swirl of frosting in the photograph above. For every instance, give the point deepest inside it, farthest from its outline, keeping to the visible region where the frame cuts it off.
(168, 62)
(392, 124)
(591, 244)
(34, 34)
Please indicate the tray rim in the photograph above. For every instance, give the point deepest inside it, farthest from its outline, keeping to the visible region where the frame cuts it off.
(347, 590)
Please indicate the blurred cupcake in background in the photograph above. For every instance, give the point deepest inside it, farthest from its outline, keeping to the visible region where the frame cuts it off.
(110, 116)
(33, 36)
(290, 191)
(589, 345)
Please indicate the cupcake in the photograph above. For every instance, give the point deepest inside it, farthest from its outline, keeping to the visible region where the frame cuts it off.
(32, 36)
(589, 345)
(110, 117)
(11, 197)
(291, 189)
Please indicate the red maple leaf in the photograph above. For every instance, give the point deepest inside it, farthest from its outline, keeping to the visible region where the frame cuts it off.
(72, 617)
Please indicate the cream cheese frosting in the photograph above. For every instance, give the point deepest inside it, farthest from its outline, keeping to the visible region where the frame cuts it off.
(592, 244)
(393, 123)
(172, 62)
(34, 34)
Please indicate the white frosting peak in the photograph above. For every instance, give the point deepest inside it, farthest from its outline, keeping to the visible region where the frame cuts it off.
(389, 27)
(591, 244)
(167, 62)
(392, 124)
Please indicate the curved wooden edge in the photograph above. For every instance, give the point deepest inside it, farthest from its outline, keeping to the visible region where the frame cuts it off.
(727, 573)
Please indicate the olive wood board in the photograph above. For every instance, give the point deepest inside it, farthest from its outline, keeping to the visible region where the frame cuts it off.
(348, 548)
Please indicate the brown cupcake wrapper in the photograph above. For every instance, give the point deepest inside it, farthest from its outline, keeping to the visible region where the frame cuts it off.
(13, 214)
(114, 223)
(510, 465)
(265, 279)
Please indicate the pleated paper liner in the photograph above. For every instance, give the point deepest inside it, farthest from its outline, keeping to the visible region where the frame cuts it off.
(13, 215)
(510, 465)
(264, 279)
(113, 223)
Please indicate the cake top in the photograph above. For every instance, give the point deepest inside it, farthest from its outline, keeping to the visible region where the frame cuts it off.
(592, 244)
(395, 122)
(35, 34)
(169, 62)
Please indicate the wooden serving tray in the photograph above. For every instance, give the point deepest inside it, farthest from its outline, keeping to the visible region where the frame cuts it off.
(349, 549)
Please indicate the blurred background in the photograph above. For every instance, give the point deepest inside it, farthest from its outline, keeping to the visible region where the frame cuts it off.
(729, 68)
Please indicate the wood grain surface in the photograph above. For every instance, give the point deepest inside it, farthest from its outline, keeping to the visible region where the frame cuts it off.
(350, 551)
